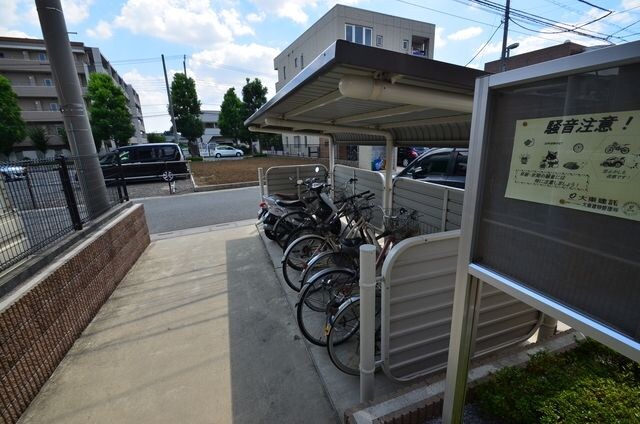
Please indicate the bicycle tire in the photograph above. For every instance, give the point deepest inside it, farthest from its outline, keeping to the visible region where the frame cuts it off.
(324, 260)
(320, 299)
(296, 257)
(288, 223)
(343, 341)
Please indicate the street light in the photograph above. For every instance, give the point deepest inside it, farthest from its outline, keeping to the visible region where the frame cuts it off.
(507, 51)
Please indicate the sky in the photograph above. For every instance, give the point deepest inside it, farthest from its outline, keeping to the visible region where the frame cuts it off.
(227, 41)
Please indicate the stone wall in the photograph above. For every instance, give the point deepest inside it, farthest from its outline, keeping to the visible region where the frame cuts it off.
(41, 320)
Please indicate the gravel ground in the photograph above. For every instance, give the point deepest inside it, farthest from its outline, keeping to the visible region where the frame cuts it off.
(160, 188)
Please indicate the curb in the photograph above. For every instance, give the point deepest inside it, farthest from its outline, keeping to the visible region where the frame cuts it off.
(215, 187)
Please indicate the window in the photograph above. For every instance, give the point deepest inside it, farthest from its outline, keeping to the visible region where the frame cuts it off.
(42, 57)
(358, 34)
(301, 61)
(461, 164)
(295, 62)
(419, 46)
(405, 44)
(284, 72)
(305, 141)
(47, 82)
(53, 107)
(1, 55)
(296, 141)
(378, 40)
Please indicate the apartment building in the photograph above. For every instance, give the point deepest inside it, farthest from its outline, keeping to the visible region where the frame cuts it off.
(24, 62)
(358, 26)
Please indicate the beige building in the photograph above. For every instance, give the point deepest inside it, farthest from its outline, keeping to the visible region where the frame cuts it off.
(24, 62)
(358, 26)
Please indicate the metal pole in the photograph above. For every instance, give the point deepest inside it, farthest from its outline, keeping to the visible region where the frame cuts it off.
(67, 189)
(184, 64)
(173, 118)
(367, 321)
(388, 174)
(261, 183)
(505, 33)
(332, 161)
(72, 106)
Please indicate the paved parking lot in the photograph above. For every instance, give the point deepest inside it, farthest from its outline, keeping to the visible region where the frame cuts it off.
(159, 188)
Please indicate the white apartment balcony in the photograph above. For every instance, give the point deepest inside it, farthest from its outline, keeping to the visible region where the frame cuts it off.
(41, 116)
(21, 65)
(35, 91)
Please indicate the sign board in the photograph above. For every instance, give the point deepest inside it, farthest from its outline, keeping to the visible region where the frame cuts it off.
(559, 192)
(586, 162)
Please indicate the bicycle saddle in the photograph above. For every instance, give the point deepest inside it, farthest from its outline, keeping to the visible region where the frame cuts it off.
(291, 203)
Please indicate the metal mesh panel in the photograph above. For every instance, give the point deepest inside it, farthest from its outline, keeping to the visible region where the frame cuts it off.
(42, 201)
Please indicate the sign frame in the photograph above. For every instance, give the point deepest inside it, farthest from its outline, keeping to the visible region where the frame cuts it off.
(470, 275)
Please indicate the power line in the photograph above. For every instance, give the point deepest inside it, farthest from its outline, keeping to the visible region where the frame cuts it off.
(485, 45)
(496, 8)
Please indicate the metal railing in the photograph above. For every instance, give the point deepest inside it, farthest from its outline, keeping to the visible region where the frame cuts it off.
(42, 201)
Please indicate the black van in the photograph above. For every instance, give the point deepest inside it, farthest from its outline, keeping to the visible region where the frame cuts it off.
(145, 162)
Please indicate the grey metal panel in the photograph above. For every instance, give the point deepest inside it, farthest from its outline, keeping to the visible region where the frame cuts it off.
(366, 180)
(436, 205)
(278, 179)
(417, 305)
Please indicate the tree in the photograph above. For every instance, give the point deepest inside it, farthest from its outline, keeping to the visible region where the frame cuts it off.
(156, 138)
(39, 138)
(12, 127)
(254, 95)
(231, 120)
(186, 109)
(108, 112)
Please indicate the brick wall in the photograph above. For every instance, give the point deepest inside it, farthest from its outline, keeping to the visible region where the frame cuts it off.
(41, 321)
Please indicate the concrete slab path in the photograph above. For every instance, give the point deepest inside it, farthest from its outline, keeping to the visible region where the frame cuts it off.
(198, 332)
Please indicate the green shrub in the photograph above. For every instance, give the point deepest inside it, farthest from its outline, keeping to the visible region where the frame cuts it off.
(589, 384)
(195, 159)
(259, 155)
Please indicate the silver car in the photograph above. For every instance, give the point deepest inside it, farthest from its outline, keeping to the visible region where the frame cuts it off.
(12, 172)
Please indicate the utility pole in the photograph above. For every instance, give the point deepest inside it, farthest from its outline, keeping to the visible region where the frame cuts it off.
(184, 64)
(505, 33)
(72, 106)
(173, 118)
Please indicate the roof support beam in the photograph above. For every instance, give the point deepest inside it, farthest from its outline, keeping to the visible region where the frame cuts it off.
(400, 110)
(369, 89)
(300, 125)
(428, 121)
(334, 96)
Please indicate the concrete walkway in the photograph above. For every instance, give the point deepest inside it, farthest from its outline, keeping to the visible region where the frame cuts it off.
(198, 332)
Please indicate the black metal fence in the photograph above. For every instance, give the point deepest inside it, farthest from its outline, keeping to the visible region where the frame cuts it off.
(42, 201)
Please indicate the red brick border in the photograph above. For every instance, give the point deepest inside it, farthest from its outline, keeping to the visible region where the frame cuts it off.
(39, 327)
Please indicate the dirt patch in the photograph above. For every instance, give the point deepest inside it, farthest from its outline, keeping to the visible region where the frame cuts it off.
(226, 171)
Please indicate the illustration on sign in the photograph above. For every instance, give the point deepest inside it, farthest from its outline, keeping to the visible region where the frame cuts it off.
(586, 162)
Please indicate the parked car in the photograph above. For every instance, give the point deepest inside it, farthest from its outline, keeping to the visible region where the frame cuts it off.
(223, 150)
(446, 166)
(12, 172)
(145, 162)
(406, 155)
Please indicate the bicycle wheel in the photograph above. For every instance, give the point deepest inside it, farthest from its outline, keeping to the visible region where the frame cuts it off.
(324, 260)
(320, 299)
(297, 256)
(290, 222)
(343, 341)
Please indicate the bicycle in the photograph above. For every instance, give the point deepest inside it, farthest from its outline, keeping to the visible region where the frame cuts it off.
(321, 297)
(343, 335)
(301, 251)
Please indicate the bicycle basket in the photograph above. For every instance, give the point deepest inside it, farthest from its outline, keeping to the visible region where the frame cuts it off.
(401, 223)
